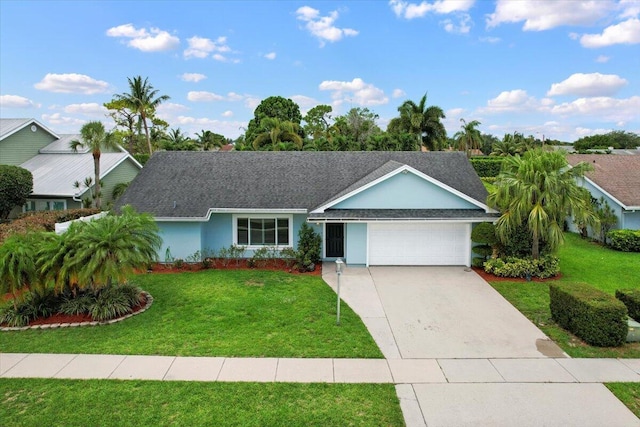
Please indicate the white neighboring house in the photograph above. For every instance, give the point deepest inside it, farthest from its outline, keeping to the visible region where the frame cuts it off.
(56, 167)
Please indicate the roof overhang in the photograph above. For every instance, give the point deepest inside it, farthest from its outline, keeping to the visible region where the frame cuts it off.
(403, 215)
(609, 195)
(27, 123)
(246, 211)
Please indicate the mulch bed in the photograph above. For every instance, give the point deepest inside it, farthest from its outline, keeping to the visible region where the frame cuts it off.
(493, 278)
(242, 264)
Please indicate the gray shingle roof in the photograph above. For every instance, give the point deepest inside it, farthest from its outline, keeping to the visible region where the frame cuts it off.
(406, 214)
(198, 181)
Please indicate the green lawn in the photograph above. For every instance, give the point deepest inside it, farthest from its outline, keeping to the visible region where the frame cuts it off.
(46, 402)
(580, 261)
(218, 313)
(628, 393)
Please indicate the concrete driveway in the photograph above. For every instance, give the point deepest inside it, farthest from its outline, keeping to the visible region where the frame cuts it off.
(439, 312)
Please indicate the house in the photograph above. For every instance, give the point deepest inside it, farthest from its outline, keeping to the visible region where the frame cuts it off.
(55, 167)
(617, 179)
(371, 208)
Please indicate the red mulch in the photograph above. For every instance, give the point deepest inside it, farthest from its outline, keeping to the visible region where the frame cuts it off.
(492, 278)
(243, 264)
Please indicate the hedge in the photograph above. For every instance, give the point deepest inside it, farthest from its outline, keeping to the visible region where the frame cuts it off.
(594, 316)
(624, 240)
(631, 299)
(41, 221)
(487, 166)
(544, 267)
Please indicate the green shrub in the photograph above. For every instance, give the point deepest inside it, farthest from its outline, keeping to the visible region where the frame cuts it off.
(41, 221)
(631, 299)
(487, 166)
(309, 248)
(624, 240)
(545, 267)
(260, 257)
(16, 184)
(79, 304)
(43, 303)
(519, 243)
(110, 302)
(594, 316)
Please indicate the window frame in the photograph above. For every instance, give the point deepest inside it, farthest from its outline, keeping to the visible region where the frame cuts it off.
(43, 202)
(275, 217)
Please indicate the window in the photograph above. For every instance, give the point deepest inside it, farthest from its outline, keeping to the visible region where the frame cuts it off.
(262, 231)
(44, 205)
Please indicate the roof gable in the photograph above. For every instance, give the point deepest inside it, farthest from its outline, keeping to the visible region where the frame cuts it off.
(615, 175)
(10, 126)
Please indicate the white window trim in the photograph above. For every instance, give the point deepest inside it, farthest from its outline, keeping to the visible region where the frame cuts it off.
(289, 218)
(51, 201)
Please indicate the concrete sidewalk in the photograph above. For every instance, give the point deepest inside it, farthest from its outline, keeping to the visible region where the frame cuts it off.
(390, 371)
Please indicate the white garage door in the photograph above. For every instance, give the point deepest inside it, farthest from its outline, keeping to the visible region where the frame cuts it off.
(419, 244)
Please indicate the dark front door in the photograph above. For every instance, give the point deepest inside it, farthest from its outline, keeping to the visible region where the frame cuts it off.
(335, 240)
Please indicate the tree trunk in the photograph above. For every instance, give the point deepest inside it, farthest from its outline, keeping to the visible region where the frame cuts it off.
(96, 172)
(535, 247)
(146, 131)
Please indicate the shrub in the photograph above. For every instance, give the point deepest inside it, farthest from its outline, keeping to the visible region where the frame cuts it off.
(260, 257)
(79, 304)
(41, 221)
(309, 248)
(631, 299)
(545, 267)
(289, 256)
(37, 304)
(594, 316)
(519, 242)
(487, 166)
(110, 302)
(485, 234)
(16, 184)
(624, 240)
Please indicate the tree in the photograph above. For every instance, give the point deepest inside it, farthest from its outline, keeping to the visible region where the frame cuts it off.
(175, 140)
(209, 140)
(16, 184)
(276, 107)
(606, 217)
(143, 100)
(95, 138)
(539, 189)
(357, 126)
(317, 121)
(126, 119)
(275, 135)
(469, 137)
(422, 121)
(17, 266)
(616, 139)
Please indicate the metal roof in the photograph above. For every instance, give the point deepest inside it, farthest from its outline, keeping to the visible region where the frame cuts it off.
(10, 126)
(54, 174)
(63, 145)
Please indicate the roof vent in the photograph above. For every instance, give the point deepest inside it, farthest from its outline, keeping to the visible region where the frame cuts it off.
(175, 204)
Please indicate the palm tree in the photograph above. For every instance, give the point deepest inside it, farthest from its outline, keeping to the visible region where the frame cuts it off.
(540, 190)
(275, 134)
(143, 99)
(424, 122)
(506, 147)
(95, 138)
(469, 138)
(17, 267)
(209, 140)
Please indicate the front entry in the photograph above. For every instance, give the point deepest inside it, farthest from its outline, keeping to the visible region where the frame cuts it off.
(334, 240)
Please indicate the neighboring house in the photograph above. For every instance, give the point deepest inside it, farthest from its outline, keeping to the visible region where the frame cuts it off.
(617, 179)
(371, 208)
(55, 167)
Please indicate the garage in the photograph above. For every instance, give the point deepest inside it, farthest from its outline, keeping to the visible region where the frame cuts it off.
(396, 243)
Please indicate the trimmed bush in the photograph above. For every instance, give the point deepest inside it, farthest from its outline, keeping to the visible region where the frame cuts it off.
(624, 240)
(594, 316)
(631, 299)
(487, 166)
(16, 184)
(41, 221)
(545, 267)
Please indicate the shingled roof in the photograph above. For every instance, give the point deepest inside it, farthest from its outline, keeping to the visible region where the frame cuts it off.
(618, 175)
(187, 184)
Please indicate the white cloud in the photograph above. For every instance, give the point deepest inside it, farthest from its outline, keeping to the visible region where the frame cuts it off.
(627, 32)
(251, 102)
(594, 84)
(170, 107)
(203, 96)
(201, 47)
(544, 15)
(581, 131)
(602, 59)
(270, 55)
(232, 96)
(491, 40)
(72, 83)
(152, 40)
(230, 129)
(455, 112)
(463, 26)
(322, 27)
(398, 93)
(15, 101)
(60, 120)
(355, 91)
(227, 113)
(602, 107)
(222, 58)
(193, 77)
(408, 10)
(304, 102)
(88, 109)
(512, 100)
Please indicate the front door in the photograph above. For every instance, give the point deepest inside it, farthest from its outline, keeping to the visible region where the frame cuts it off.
(335, 240)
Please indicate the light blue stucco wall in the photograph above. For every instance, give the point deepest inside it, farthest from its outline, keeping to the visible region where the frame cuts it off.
(356, 244)
(405, 191)
(181, 238)
(631, 220)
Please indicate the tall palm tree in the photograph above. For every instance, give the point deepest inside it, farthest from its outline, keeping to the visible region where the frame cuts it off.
(95, 138)
(424, 122)
(539, 189)
(469, 137)
(209, 140)
(275, 134)
(143, 99)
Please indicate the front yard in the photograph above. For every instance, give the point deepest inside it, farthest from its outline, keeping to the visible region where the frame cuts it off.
(580, 261)
(239, 313)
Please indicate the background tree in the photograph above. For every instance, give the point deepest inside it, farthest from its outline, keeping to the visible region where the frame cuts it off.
(127, 122)
(143, 100)
(176, 140)
(468, 137)
(208, 140)
(277, 135)
(355, 128)
(95, 138)
(423, 121)
(16, 184)
(317, 121)
(538, 189)
(277, 107)
(617, 139)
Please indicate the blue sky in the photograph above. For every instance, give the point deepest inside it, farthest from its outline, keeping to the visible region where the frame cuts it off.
(562, 69)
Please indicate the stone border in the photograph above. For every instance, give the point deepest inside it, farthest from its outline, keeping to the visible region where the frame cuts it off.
(91, 323)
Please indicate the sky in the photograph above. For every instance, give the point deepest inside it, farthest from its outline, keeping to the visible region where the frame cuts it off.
(553, 68)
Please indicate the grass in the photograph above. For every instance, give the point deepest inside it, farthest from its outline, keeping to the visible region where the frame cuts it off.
(47, 402)
(241, 313)
(580, 261)
(629, 394)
